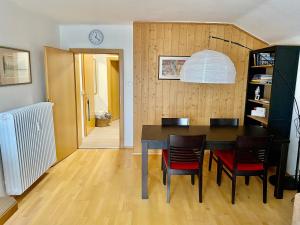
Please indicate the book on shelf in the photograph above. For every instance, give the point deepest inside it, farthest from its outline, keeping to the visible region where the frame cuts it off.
(262, 79)
(258, 111)
(261, 59)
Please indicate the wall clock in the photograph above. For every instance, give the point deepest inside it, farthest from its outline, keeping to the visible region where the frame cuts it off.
(96, 37)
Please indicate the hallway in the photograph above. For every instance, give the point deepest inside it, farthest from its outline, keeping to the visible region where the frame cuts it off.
(103, 137)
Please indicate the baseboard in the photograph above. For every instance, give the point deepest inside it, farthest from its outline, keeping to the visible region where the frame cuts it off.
(8, 206)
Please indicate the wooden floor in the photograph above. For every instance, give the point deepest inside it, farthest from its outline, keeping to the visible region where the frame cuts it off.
(103, 187)
(103, 137)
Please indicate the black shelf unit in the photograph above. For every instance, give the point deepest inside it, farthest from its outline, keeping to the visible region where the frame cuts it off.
(280, 107)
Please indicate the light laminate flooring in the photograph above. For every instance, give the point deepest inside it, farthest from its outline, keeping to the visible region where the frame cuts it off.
(94, 187)
(103, 137)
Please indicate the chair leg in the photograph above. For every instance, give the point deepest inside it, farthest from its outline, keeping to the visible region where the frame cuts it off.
(265, 185)
(168, 186)
(200, 185)
(164, 176)
(193, 179)
(233, 189)
(210, 159)
(219, 172)
(247, 180)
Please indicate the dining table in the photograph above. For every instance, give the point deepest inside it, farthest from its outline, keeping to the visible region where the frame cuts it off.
(156, 137)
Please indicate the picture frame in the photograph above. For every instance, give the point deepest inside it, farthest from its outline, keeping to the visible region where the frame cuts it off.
(15, 66)
(170, 66)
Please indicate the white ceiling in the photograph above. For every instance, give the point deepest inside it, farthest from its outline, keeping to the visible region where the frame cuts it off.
(271, 20)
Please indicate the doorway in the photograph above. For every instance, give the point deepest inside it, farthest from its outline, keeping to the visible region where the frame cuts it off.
(99, 92)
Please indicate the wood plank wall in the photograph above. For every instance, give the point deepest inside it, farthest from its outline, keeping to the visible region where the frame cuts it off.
(154, 99)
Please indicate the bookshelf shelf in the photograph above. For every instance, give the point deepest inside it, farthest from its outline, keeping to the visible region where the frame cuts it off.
(262, 66)
(259, 102)
(262, 120)
(254, 83)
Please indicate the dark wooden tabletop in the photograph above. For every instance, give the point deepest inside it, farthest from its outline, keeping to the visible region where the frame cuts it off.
(223, 134)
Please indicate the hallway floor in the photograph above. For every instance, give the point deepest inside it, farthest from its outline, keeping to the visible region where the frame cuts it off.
(103, 137)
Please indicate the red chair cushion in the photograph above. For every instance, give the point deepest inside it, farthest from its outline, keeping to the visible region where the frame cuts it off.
(227, 157)
(179, 165)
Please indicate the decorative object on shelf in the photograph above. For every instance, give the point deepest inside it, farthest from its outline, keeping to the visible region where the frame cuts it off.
(96, 37)
(103, 119)
(257, 93)
(170, 67)
(208, 66)
(14, 66)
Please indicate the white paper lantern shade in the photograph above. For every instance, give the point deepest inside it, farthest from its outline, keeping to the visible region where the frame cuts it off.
(208, 66)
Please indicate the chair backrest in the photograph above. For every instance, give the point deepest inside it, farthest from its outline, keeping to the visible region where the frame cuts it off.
(186, 148)
(181, 122)
(251, 149)
(224, 122)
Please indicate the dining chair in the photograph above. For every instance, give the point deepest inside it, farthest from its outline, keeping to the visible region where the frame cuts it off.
(249, 158)
(220, 122)
(184, 156)
(174, 122)
(181, 122)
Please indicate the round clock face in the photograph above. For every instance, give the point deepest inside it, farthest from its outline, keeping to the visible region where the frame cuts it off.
(96, 37)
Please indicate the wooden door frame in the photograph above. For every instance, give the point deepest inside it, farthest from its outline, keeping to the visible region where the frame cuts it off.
(120, 53)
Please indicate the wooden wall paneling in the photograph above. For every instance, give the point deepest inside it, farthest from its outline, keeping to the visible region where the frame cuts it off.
(159, 83)
(152, 71)
(155, 98)
(167, 49)
(145, 66)
(229, 102)
(181, 91)
(236, 54)
(137, 49)
(173, 83)
(192, 88)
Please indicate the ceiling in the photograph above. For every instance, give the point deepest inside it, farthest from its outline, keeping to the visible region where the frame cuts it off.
(271, 20)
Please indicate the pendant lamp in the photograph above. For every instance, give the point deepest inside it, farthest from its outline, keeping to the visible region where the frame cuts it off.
(208, 66)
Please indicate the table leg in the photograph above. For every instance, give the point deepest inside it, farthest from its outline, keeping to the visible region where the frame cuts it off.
(144, 170)
(280, 171)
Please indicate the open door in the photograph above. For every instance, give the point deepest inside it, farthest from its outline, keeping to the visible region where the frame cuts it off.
(60, 83)
(89, 70)
(113, 88)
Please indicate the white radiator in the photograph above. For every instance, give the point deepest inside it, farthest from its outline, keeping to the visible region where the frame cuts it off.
(27, 145)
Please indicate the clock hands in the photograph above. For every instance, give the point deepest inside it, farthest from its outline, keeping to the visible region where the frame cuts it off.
(96, 37)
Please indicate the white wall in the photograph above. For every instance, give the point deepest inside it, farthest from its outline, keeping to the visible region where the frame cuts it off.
(293, 147)
(115, 37)
(101, 98)
(24, 30)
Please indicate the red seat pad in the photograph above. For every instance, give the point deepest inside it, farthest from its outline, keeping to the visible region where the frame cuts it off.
(227, 157)
(179, 165)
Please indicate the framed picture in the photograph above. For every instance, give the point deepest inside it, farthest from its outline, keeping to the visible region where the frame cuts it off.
(14, 66)
(170, 66)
